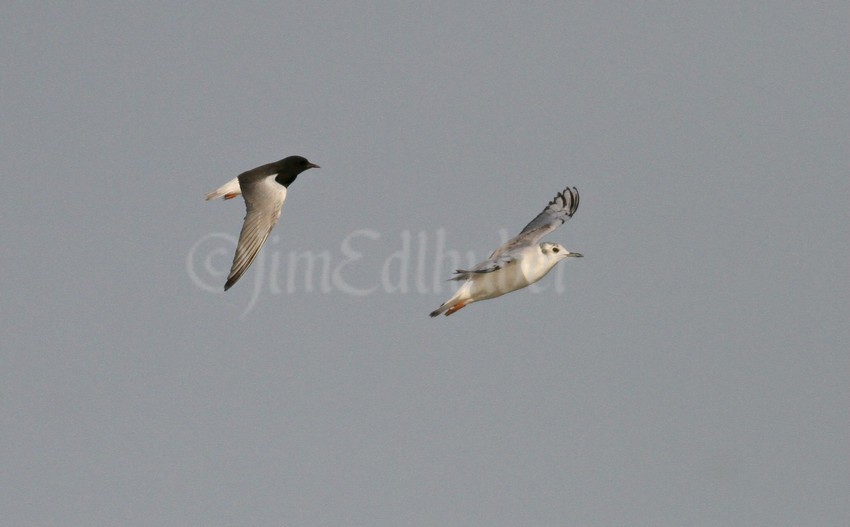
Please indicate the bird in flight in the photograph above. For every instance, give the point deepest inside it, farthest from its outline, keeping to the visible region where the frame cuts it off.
(264, 191)
(518, 263)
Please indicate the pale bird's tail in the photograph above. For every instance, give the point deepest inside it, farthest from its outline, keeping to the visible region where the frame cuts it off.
(439, 310)
(449, 307)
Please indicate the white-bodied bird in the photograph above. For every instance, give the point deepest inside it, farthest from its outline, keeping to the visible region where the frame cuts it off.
(264, 191)
(518, 263)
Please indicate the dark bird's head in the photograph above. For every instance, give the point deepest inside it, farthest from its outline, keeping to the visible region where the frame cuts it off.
(296, 164)
(289, 167)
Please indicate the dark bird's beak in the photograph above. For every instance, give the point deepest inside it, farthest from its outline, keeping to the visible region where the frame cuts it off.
(576, 255)
(313, 165)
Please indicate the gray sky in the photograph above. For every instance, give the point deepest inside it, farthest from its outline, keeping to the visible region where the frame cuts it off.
(692, 369)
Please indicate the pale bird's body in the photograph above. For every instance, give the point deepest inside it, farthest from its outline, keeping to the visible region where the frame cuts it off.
(520, 262)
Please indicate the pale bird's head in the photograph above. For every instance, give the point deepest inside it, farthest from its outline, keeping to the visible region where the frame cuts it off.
(557, 252)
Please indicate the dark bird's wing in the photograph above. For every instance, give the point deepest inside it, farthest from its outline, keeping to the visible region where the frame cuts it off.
(263, 200)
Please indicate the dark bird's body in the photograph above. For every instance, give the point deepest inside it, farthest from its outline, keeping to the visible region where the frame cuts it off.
(264, 190)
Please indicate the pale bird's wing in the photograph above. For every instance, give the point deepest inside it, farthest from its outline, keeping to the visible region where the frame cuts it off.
(487, 266)
(558, 211)
(263, 200)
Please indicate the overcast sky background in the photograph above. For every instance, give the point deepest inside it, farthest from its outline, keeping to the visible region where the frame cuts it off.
(692, 369)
